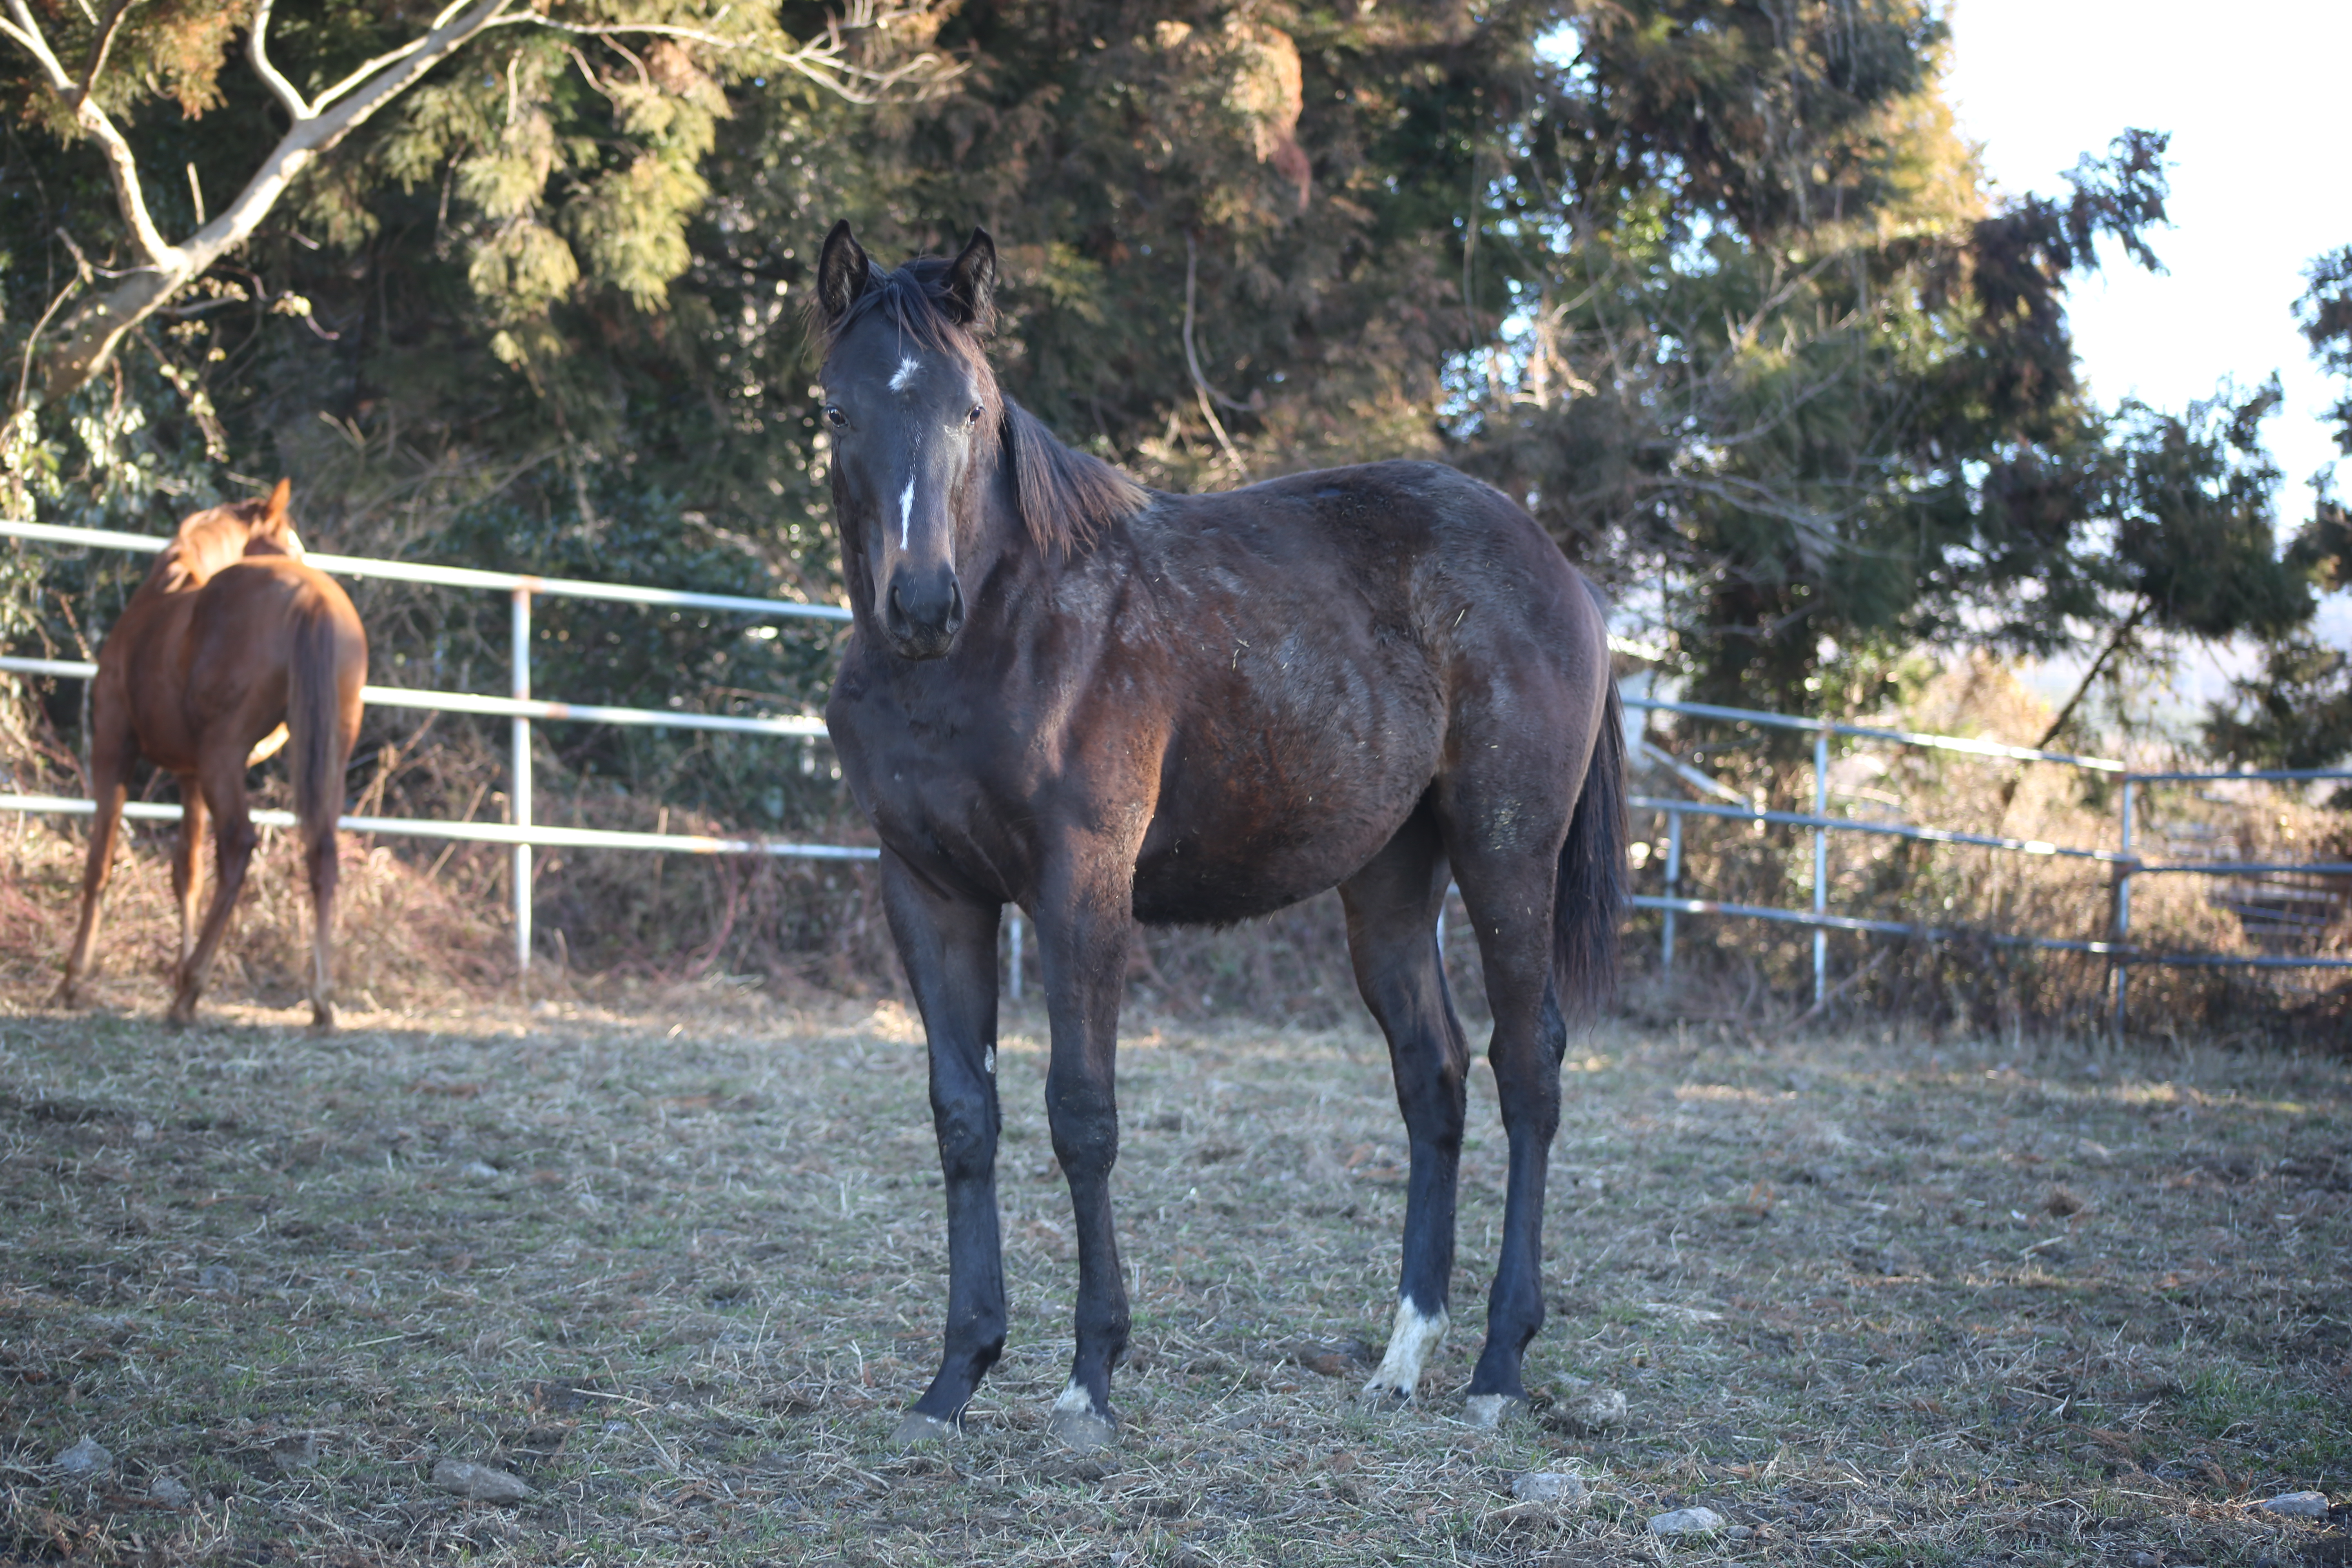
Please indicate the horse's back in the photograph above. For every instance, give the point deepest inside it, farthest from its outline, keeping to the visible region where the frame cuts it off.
(1337, 643)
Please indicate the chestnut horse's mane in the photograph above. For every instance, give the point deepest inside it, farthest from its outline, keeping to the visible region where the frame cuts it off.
(1066, 497)
(217, 536)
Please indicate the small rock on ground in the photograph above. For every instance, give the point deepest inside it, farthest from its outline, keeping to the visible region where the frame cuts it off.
(1686, 1521)
(168, 1491)
(1548, 1486)
(2296, 1505)
(217, 1277)
(85, 1458)
(299, 1452)
(1595, 1410)
(482, 1483)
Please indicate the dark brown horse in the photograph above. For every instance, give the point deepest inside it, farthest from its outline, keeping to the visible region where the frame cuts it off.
(1110, 706)
(229, 637)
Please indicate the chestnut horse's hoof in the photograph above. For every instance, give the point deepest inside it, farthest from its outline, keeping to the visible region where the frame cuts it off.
(183, 1013)
(67, 996)
(919, 1427)
(322, 1018)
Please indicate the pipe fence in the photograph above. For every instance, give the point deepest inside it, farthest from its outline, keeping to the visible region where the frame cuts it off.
(2117, 948)
(522, 709)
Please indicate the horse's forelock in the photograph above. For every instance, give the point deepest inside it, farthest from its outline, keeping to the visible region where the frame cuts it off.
(1066, 497)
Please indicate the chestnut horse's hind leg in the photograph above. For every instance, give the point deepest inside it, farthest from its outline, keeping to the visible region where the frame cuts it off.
(949, 946)
(113, 752)
(188, 867)
(1393, 905)
(322, 859)
(221, 776)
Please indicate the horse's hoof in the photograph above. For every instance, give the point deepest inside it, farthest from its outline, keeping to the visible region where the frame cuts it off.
(1083, 1430)
(322, 1018)
(1488, 1411)
(1383, 1398)
(919, 1427)
(177, 1021)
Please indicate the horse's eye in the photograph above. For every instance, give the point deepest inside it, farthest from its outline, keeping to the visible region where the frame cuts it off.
(834, 417)
(973, 417)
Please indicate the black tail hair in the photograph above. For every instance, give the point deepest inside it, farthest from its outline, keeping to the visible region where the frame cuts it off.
(1590, 891)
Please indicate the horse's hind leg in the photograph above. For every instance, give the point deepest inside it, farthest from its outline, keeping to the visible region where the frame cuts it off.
(950, 949)
(113, 752)
(323, 861)
(1393, 906)
(221, 776)
(1504, 830)
(188, 865)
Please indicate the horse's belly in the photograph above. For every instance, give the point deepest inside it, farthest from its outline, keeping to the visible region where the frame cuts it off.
(1233, 856)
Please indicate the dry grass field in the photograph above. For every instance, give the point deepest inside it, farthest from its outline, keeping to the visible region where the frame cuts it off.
(1870, 1299)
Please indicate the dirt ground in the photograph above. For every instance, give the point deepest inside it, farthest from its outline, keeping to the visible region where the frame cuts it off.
(678, 1266)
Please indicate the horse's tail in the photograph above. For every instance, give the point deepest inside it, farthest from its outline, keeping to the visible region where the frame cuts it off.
(327, 671)
(1590, 887)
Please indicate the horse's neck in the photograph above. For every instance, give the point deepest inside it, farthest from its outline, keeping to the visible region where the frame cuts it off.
(205, 544)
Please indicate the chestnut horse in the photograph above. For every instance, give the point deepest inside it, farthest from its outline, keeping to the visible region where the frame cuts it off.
(1108, 705)
(229, 637)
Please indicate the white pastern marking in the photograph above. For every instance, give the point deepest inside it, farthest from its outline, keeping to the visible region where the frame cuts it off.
(907, 369)
(1074, 1397)
(1486, 1411)
(1410, 1341)
(988, 1062)
(906, 511)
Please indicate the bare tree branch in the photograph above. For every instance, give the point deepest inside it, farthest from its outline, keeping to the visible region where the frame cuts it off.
(259, 54)
(104, 44)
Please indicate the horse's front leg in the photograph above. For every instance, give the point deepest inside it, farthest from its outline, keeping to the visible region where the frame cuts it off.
(1085, 920)
(949, 946)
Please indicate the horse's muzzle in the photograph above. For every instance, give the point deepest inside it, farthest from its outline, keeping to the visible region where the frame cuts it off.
(923, 610)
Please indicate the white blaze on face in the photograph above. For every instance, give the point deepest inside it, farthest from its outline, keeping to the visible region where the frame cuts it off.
(907, 368)
(906, 511)
(1410, 1341)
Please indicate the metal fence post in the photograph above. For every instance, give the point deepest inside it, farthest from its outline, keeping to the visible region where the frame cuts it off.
(2122, 912)
(520, 780)
(1674, 885)
(1821, 864)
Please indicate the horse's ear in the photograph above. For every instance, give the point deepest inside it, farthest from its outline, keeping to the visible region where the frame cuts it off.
(843, 272)
(971, 283)
(276, 512)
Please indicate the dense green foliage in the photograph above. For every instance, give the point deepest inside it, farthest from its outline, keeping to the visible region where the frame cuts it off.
(1713, 285)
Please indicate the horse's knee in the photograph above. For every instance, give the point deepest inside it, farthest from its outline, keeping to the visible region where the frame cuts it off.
(967, 1135)
(1083, 1119)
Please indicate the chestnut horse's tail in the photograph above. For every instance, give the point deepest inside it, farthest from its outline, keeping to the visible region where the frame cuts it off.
(319, 743)
(1590, 887)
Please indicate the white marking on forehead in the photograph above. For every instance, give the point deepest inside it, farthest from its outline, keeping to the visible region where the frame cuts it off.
(1411, 1339)
(907, 369)
(905, 510)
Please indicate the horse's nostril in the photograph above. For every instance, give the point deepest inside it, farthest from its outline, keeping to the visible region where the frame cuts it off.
(955, 602)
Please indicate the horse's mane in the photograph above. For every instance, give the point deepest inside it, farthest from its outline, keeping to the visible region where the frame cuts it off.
(1066, 497)
(207, 541)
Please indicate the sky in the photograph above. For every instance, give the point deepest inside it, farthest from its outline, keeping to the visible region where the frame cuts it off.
(2254, 97)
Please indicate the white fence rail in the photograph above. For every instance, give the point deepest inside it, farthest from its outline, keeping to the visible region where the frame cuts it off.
(522, 709)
